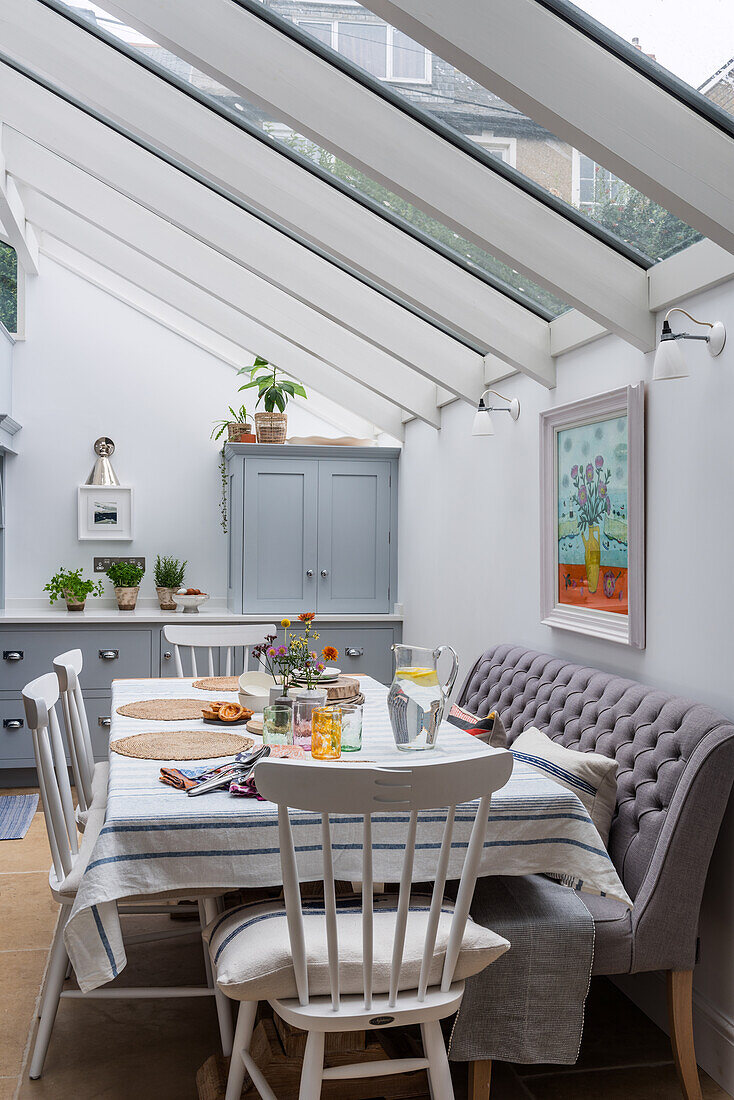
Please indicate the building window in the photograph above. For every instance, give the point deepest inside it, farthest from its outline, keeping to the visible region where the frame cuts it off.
(8, 287)
(383, 51)
(504, 148)
(592, 184)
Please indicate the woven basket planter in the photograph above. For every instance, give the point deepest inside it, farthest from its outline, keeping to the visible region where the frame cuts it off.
(271, 427)
(239, 433)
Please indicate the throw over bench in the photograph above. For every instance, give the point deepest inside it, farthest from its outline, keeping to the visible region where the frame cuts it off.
(676, 764)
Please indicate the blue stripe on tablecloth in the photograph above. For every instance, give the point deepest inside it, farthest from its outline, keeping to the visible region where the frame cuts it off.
(105, 941)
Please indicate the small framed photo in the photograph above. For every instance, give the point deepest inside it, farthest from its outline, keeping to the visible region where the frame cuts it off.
(592, 522)
(105, 513)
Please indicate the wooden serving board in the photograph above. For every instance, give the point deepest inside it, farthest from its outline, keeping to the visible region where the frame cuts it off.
(346, 687)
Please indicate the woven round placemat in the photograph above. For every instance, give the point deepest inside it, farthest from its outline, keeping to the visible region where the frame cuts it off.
(163, 710)
(218, 683)
(181, 745)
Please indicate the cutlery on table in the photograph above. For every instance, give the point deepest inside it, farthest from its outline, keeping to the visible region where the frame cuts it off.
(230, 773)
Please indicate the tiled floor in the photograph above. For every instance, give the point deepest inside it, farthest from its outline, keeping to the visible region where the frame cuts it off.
(152, 1049)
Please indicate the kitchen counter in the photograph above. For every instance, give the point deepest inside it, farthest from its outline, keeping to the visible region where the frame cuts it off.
(97, 615)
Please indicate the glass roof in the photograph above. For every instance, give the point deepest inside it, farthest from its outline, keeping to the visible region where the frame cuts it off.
(379, 197)
(451, 97)
(696, 46)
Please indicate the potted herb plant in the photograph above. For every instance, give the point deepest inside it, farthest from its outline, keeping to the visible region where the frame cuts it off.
(274, 392)
(169, 575)
(126, 578)
(236, 425)
(70, 585)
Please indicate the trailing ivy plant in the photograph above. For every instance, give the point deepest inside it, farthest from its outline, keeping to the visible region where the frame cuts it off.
(169, 572)
(274, 392)
(223, 498)
(70, 585)
(124, 574)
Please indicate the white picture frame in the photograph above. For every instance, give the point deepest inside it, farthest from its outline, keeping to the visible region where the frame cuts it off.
(557, 608)
(105, 513)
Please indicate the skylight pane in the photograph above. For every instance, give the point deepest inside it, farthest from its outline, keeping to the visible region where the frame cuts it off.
(429, 82)
(694, 44)
(313, 18)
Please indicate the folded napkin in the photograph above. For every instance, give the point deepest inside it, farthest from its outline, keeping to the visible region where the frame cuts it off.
(183, 779)
(249, 790)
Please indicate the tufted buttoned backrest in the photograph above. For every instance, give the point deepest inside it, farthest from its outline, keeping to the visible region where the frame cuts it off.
(651, 734)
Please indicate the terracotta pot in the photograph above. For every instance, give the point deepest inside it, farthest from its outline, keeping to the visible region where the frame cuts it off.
(271, 427)
(72, 606)
(238, 432)
(127, 598)
(165, 598)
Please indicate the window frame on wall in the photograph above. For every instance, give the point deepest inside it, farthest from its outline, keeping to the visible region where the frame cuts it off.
(390, 47)
(17, 330)
(505, 148)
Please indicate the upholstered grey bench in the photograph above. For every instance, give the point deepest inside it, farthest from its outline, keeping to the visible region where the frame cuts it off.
(676, 763)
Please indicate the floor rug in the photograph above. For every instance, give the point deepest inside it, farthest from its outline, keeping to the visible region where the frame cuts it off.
(16, 814)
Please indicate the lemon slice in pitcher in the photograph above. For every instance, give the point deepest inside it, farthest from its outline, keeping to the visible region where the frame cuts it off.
(423, 677)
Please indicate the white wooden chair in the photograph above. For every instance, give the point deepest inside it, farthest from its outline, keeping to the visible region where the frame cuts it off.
(379, 965)
(70, 859)
(90, 778)
(226, 638)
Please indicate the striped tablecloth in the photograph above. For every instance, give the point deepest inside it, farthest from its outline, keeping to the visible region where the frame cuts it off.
(155, 839)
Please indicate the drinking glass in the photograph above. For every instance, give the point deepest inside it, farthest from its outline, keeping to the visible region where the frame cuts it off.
(326, 733)
(306, 703)
(351, 726)
(278, 726)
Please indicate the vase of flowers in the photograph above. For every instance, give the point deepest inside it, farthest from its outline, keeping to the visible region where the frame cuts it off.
(592, 500)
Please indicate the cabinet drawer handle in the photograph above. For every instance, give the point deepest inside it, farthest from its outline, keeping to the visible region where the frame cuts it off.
(104, 721)
(109, 654)
(166, 656)
(350, 651)
(12, 723)
(12, 654)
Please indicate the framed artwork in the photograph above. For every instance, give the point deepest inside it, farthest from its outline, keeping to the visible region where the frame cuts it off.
(592, 516)
(105, 513)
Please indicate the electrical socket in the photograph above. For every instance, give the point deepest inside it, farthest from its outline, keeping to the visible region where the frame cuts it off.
(101, 565)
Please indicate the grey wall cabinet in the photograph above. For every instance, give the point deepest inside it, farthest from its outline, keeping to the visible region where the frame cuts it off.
(315, 528)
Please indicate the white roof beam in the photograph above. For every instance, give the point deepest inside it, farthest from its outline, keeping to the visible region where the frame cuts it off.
(235, 231)
(585, 95)
(101, 257)
(63, 185)
(258, 61)
(17, 233)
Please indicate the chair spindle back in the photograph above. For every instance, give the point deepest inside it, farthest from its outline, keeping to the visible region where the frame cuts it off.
(221, 638)
(68, 667)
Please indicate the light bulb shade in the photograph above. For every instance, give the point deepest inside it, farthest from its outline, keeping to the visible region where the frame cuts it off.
(482, 423)
(669, 361)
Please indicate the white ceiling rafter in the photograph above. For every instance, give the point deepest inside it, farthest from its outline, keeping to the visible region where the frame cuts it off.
(513, 48)
(166, 298)
(17, 233)
(236, 232)
(255, 59)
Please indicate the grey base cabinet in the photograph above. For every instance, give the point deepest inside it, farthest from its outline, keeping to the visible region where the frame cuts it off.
(312, 529)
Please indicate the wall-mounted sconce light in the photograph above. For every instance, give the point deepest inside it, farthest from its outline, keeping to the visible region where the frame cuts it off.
(482, 419)
(669, 361)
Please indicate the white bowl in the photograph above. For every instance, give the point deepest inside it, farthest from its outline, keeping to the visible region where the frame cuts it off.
(255, 690)
(190, 604)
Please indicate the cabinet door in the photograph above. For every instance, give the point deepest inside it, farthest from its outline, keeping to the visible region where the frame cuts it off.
(354, 534)
(280, 535)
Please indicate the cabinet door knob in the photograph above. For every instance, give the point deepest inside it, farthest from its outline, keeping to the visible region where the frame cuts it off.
(350, 651)
(309, 572)
(12, 723)
(12, 654)
(324, 572)
(109, 654)
(104, 721)
(166, 656)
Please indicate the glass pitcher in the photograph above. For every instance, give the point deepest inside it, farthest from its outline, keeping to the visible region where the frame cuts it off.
(417, 698)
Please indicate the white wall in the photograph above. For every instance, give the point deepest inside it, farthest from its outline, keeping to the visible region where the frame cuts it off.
(91, 366)
(469, 563)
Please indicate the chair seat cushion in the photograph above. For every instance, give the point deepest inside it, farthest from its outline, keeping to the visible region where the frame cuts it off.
(251, 958)
(612, 934)
(99, 793)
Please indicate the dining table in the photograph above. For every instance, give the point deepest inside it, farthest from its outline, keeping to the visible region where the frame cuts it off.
(158, 842)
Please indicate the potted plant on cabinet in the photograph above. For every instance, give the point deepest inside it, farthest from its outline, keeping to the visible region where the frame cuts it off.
(274, 393)
(70, 585)
(236, 425)
(126, 578)
(169, 575)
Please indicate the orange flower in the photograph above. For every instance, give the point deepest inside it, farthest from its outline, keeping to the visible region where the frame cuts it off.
(307, 616)
(329, 653)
